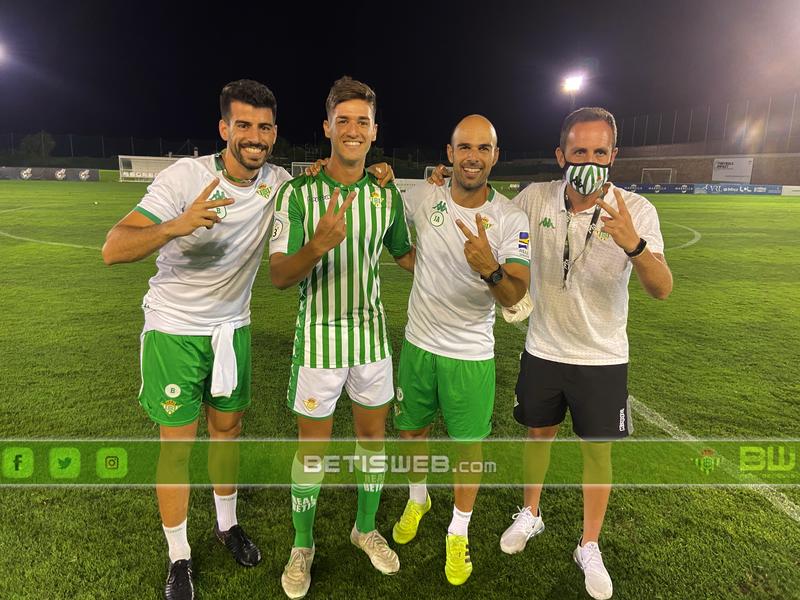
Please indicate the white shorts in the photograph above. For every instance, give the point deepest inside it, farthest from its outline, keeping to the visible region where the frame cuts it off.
(313, 393)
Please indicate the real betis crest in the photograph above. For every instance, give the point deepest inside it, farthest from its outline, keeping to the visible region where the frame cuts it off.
(264, 191)
(170, 406)
(375, 198)
(220, 210)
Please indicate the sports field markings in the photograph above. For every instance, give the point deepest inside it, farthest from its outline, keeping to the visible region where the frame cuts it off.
(697, 236)
(26, 239)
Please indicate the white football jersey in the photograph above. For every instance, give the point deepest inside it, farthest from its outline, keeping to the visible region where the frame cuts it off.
(451, 310)
(205, 279)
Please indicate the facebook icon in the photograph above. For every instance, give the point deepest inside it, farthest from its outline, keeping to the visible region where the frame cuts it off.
(17, 463)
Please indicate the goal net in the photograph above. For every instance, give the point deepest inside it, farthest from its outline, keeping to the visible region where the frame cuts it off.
(143, 168)
(653, 175)
(298, 168)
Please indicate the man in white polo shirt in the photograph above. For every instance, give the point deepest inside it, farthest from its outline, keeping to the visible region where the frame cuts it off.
(587, 237)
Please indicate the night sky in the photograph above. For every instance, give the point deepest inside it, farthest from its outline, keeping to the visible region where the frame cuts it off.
(134, 68)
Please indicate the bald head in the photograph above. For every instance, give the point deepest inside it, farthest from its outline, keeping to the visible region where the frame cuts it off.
(473, 151)
(474, 125)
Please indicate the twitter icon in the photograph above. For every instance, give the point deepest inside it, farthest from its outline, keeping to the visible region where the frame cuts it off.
(65, 463)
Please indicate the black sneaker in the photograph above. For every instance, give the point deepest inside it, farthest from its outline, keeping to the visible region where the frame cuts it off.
(179, 581)
(243, 549)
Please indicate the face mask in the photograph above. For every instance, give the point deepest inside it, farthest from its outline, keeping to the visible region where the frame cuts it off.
(586, 178)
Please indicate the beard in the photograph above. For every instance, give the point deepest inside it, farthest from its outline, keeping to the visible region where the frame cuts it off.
(249, 162)
(469, 184)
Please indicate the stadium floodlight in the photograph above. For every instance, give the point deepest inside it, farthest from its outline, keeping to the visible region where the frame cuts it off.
(572, 85)
(2, 54)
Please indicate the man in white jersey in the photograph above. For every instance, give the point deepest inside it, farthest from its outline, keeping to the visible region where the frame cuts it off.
(472, 252)
(328, 236)
(208, 218)
(587, 237)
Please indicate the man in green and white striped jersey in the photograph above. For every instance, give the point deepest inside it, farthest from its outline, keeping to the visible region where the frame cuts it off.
(328, 235)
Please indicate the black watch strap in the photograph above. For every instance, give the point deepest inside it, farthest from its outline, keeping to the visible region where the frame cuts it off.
(495, 277)
(638, 250)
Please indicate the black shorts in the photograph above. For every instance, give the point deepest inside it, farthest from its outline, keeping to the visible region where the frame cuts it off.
(597, 397)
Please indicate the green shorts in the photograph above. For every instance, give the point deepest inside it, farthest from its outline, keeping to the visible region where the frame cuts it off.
(463, 389)
(176, 376)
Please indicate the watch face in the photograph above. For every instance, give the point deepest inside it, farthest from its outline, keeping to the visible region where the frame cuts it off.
(496, 276)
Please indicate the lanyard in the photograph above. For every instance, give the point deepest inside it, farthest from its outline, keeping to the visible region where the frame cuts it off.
(592, 226)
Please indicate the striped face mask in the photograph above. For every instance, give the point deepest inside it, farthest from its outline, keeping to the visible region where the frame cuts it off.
(586, 178)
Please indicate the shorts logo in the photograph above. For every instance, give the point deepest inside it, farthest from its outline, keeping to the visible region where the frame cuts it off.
(437, 218)
(170, 406)
(264, 191)
(311, 404)
(277, 228)
(397, 410)
(399, 394)
(172, 390)
(622, 419)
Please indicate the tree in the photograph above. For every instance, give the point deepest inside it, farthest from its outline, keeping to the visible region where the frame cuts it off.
(37, 144)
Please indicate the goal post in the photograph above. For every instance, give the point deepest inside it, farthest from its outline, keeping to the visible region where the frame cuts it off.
(299, 167)
(658, 175)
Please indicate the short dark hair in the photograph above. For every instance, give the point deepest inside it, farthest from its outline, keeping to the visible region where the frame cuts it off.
(346, 88)
(587, 114)
(247, 91)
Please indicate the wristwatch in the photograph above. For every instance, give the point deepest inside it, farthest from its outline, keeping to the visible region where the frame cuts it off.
(495, 277)
(638, 250)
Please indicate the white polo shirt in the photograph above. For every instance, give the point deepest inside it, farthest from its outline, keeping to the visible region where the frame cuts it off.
(584, 322)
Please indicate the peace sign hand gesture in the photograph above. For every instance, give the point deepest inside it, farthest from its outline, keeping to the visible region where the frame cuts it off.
(620, 224)
(332, 226)
(200, 213)
(477, 250)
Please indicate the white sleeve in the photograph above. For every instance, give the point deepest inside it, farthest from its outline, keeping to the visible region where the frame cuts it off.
(515, 246)
(647, 226)
(172, 191)
(413, 199)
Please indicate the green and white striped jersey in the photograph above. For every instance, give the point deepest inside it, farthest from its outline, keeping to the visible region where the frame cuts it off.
(341, 321)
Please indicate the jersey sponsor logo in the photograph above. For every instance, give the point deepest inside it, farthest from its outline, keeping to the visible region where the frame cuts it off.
(172, 390)
(376, 199)
(547, 223)
(372, 487)
(303, 504)
(264, 191)
(170, 406)
(437, 218)
(311, 404)
(221, 211)
(277, 228)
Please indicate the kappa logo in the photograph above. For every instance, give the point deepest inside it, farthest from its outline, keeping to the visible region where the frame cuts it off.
(172, 390)
(303, 504)
(547, 223)
(170, 406)
(264, 190)
(311, 404)
(221, 211)
(441, 206)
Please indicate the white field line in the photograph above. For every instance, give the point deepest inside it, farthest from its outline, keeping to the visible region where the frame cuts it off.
(691, 242)
(26, 239)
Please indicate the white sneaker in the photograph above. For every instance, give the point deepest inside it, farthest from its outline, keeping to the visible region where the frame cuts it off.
(598, 582)
(296, 577)
(380, 554)
(524, 527)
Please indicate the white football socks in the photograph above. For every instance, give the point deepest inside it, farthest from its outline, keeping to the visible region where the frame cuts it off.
(226, 511)
(178, 543)
(418, 492)
(460, 523)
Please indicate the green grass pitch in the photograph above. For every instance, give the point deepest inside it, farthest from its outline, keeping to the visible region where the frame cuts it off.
(718, 359)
